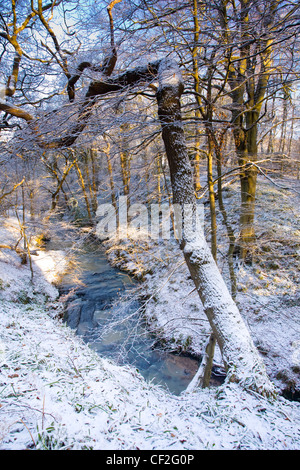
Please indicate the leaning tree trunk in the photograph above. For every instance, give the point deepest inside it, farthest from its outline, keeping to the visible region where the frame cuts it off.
(241, 358)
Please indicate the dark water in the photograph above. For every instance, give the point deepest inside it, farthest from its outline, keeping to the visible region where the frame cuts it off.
(101, 309)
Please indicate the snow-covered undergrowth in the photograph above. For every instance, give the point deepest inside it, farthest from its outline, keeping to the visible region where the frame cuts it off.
(56, 393)
(267, 291)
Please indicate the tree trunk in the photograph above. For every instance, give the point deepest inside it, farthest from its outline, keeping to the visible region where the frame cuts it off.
(82, 185)
(208, 360)
(230, 231)
(203, 374)
(246, 149)
(89, 180)
(95, 182)
(241, 358)
(247, 231)
(248, 178)
(55, 195)
(212, 198)
(125, 160)
(196, 77)
(111, 178)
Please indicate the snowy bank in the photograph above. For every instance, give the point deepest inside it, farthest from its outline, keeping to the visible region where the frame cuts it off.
(56, 393)
(267, 292)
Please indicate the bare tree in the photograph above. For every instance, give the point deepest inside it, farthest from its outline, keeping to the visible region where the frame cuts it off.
(242, 360)
(252, 31)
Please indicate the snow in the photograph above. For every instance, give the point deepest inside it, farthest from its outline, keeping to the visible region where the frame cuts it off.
(267, 292)
(56, 393)
(169, 74)
(2, 94)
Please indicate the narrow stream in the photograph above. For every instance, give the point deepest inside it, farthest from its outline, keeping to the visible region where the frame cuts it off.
(115, 329)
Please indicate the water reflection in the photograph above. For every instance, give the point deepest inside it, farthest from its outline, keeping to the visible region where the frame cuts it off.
(102, 311)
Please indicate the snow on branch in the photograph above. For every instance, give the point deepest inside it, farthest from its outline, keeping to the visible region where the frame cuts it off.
(166, 71)
(169, 76)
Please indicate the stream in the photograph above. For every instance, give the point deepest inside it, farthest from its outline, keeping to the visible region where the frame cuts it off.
(101, 310)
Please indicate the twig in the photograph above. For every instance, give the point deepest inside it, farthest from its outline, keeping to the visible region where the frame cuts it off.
(243, 167)
(12, 190)
(43, 413)
(272, 181)
(151, 297)
(34, 409)
(28, 431)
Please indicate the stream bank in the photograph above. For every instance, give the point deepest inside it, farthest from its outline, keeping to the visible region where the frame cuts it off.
(103, 305)
(68, 397)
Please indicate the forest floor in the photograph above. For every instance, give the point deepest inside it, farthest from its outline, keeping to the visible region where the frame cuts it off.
(267, 291)
(56, 393)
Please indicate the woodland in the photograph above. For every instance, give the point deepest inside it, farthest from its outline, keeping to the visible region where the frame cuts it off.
(165, 103)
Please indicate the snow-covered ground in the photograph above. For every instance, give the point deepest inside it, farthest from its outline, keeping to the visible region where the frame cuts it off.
(267, 291)
(56, 393)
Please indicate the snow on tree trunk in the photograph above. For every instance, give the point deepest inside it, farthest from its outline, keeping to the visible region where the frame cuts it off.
(240, 356)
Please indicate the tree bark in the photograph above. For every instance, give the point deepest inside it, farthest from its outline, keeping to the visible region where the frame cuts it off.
(248, 177)
(111, 178)
(240, 356)
(212, 199)
(197, 158)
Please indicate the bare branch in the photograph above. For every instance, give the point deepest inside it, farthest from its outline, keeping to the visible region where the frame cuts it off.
(15, 111)
(12, 190)
(108, 64)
